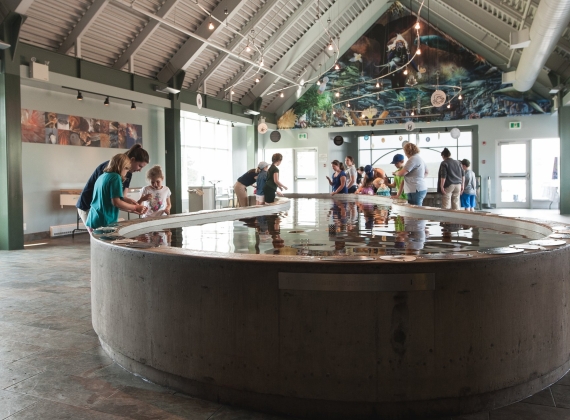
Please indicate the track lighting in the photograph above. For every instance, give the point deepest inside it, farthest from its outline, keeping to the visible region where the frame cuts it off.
(446, 129)
(133, 106)
(421, 131)
(106, 103)
(206, 119)
(233, 125)
(79, 96)
(218, 122)
(417, 25)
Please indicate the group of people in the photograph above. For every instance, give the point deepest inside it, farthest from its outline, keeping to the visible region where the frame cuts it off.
(266, 179)
(105, 192)
(456, 182)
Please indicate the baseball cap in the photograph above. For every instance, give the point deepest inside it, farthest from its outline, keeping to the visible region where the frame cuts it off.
(262, 165)
(466, 162)
(397, 158)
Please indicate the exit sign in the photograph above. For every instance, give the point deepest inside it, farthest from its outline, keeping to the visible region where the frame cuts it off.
(515, 125)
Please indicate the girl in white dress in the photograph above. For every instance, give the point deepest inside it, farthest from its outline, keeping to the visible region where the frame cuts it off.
(156, 195)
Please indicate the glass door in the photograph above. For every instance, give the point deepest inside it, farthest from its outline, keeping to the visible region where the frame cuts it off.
(514, 174)
(305, 171)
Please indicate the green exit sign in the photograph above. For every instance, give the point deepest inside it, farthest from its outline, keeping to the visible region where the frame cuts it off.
(515, 125)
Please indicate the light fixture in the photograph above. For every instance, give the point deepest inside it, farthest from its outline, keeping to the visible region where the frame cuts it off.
(261, 62)
(218, 122)
(206, 119)
(79, 96)
(413, 113)
(166, 90)
(449, 105)
(281, 95)
(421, 130)
(446, 129)
(106, 103)
(233, 125)
(395, 131)
(337, 94)
(336, 66)
(418, 51)
(377, 84)
(232, 92)
(257, 80)
(417, 25)
(460, 97)
(133, 106)
(406, 71)
(318, 82)
(330, 45)
(247, 48)
(211, 25)
(348, 104)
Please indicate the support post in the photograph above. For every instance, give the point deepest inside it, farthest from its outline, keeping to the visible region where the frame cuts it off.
(173, 144)
(11, 196)
(564, 130)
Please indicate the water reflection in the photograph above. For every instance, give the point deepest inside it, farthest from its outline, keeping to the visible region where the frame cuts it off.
(334, 228)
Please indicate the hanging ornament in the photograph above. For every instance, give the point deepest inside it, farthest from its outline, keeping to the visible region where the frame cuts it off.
(383, 140)
(262, 127)
(455, 133)
(438, 98)
(400, 138)
(199, 101)
(428, 139)
(410, 126)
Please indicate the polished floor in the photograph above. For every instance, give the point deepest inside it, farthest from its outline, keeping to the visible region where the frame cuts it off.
(52, 366)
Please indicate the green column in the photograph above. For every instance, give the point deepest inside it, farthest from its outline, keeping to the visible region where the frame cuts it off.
(564, 129)
(173, 137)
(11, 197)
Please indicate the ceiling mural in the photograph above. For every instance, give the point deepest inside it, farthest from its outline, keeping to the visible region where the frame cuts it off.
(404, 69)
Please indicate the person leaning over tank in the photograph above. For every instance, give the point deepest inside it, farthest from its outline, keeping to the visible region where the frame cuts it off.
(398, 162)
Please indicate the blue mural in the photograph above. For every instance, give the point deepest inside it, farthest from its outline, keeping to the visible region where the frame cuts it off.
(382, 79)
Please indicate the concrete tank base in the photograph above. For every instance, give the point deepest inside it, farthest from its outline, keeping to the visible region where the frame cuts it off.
(338, 340)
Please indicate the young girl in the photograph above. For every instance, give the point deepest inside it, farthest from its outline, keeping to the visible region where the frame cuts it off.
(261, 180)
(108, 194)
(157, 195)
(272, 183)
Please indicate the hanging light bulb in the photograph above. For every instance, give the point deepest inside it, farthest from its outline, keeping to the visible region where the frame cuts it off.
(417, 25)
(281, 95)
(79, 96)
(261, 62)
(348, 104)
(406, 71)
(418, 51)
(257, 80)
(337, 94)
(232, 92)
(106, 103)
(377, 84)
(449, 105)
(211, 25)
(247, 47)
(413, 113)
(133, 106)
(330, 45)
(336, 66)
(460, 97)
(318, 82)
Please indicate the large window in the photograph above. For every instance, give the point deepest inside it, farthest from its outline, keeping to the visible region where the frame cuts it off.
(378, 150)
(545, 169)
(206, 152)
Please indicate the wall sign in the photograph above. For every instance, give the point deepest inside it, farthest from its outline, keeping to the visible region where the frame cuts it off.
(338, 140)
(302, 136)
(515, 125)
(71, 130)
(275, 136)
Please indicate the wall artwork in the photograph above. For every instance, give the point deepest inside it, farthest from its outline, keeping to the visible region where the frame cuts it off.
(71, 130)
(404, 69)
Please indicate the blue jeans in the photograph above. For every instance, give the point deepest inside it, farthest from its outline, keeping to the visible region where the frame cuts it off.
(417, 198)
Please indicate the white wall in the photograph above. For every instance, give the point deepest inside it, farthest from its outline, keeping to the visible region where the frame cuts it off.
(48, 168)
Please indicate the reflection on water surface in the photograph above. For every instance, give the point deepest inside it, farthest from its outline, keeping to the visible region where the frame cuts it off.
(321, 227)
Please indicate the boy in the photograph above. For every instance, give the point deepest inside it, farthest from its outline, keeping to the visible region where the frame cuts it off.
(398, 162)
(470, 189)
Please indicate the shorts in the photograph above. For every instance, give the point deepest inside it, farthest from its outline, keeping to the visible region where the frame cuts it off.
(260, 197)
(352, 189)
(468, 201)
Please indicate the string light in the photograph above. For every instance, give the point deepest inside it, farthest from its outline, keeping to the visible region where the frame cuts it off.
(418, 51)
(330, 45)
(281, 95)
(348, 104)
(257, 80)
(417, 25)
(406, 71)
(337, 94)
(336, 66)
(211, 25)
(377, 84)
(413, 113)
(318, 82)
(449, 105)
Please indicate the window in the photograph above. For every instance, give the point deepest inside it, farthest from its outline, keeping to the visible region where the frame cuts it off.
(379, 150)
(206, 152)
(545, 169)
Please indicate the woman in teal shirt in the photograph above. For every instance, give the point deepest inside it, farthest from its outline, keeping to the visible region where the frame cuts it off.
(108, 192)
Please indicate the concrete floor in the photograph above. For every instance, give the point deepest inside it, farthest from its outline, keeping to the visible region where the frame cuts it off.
(52, 366)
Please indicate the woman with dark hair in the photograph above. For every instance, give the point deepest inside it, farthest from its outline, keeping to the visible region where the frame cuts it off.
(272, 183)
(338, 181)
(138, 159)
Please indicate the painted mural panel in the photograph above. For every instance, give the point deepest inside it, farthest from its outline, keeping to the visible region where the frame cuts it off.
(72, 130)
(400, 71)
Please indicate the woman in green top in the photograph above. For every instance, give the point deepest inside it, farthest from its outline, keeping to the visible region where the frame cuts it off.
(398, 161)
(108, 192)
(272, 183)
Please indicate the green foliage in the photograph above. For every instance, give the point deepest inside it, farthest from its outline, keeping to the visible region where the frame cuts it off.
(312, 101)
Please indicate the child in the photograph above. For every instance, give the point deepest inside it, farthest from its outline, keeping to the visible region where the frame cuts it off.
(360, 175)
(108, 194)
(261, 179)
(157, 195)
(398, 162)
(470, 188)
